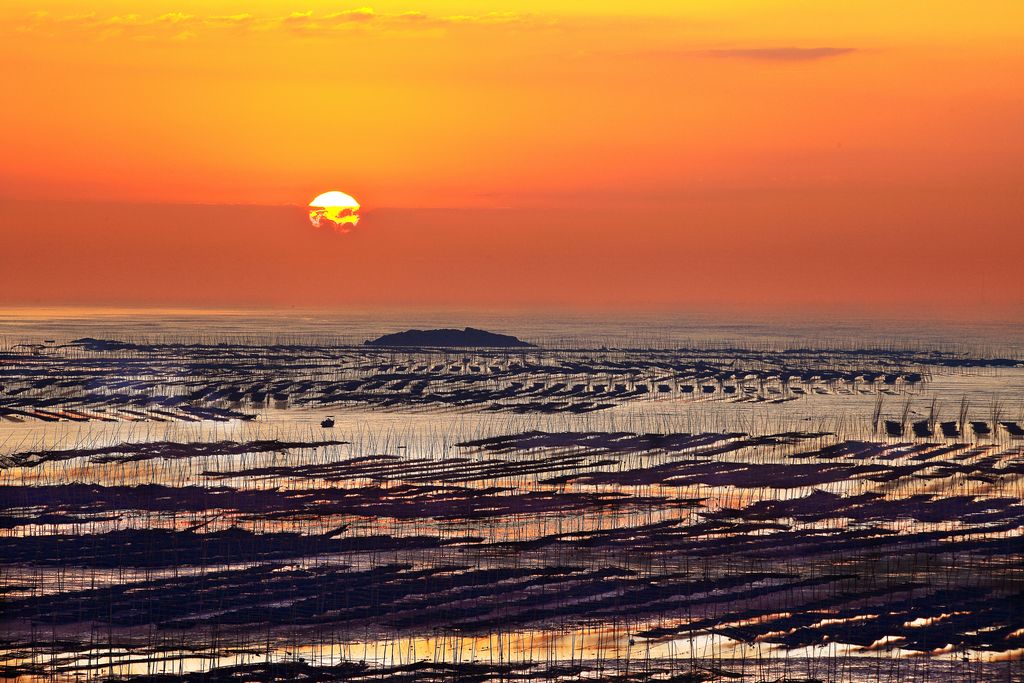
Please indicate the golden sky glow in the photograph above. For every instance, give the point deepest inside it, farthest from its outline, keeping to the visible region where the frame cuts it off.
(656, 106)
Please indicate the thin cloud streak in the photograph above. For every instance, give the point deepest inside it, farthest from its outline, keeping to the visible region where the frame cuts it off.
(753, 54)
(781, 54)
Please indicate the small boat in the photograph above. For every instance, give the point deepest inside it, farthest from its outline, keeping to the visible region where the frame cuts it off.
(327, 422)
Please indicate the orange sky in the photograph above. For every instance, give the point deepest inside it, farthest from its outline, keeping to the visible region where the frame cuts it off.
(685, 154)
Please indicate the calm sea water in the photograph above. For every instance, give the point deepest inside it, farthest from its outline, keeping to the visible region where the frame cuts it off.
(1004, 338)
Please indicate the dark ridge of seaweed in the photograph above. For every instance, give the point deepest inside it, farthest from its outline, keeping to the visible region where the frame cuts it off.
(131, 452)
(741, 475)
(966, 611)
(615, 442)
(639, 597)
(405, 501)
(462, 672)
(821, 505)
(422, 470)
(779, 542)
(107, 345)
(848, 602)
(276, 595)
(166, 548)
(15, 521)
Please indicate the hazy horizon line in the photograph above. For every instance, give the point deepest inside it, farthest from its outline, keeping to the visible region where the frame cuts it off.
(722, 313)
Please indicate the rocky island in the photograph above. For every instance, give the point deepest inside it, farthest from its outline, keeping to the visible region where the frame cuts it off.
(466, 338)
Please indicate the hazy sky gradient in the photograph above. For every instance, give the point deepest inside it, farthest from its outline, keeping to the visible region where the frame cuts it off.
(771, 155)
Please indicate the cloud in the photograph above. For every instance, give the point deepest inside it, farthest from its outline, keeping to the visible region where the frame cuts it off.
(169, 19)
(780, 54)
(230, 19)
(489, 18)
(358, 15)
(179, 26)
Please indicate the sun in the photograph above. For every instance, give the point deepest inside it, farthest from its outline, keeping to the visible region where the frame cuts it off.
(334, 209)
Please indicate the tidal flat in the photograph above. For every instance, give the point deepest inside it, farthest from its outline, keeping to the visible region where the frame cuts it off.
(685, 504)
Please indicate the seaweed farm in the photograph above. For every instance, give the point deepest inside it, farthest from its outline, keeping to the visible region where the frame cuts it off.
(241, 508)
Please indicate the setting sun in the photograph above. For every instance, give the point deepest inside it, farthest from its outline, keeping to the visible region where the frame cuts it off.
(336, 209)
